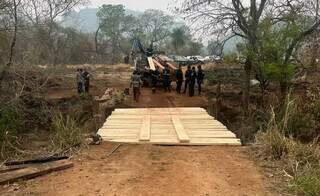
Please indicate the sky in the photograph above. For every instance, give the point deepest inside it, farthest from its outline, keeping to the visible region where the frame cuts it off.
(139, 5)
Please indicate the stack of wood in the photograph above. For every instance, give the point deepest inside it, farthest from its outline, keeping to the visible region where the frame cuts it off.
(107, 95)
(22, 170)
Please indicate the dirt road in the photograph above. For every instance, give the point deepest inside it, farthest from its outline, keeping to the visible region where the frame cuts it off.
(153, 170)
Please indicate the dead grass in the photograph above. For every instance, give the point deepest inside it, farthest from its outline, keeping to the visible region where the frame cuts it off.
(301, 161)
(67, 134)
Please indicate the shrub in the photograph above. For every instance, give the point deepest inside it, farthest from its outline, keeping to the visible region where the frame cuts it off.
(316, 110)
(66, 133)
(275, 144)
(307, 183)
(9, 124)
(230, 58)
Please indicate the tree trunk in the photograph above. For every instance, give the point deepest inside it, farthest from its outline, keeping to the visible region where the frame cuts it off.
(246, 90)
(283, 91)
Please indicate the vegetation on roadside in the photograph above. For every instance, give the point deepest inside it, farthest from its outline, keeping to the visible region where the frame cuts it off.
(66, 133)
(9, 123)
(301, 160)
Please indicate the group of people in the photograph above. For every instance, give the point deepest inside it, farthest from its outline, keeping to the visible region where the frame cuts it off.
(191, 76)
(83, 81)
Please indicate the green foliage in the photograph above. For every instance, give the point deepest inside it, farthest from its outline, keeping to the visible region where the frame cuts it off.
(9, 125)
(307, 183)
(273, 71)
(316, 110)
(9, 122)
(230, 58)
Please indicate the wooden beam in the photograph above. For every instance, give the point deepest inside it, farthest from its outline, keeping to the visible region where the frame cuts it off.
(34, 171)
(181, 133)
(151, 64)
(158, 64)
(145, 129)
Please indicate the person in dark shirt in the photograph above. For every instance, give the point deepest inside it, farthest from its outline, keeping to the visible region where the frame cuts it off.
(86, 76)
(193, 77)
(155, 77)
(179, 77)
(136, 83)
(200, 77)
(79, 81)
(187, 77)
(166, 79)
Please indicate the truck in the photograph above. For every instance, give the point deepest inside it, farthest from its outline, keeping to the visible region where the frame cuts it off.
(146, 61)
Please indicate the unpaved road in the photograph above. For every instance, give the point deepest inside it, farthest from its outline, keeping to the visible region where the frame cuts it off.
(153, 170)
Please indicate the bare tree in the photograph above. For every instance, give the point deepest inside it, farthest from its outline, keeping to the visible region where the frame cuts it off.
(44, 15)
(227, 19)
(156, 25)
(14, 14)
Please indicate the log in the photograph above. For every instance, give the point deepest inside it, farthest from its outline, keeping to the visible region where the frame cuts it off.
(34, 171)
(38, 160)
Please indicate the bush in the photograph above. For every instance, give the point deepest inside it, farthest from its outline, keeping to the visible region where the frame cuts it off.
(316, 110)
(275, 144)
(230, 58)
(307, 183)
(9, 124)
(66, 133)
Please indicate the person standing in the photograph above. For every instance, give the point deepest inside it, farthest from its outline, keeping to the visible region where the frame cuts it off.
(79, 80)
(136, 83)
(166, 79)
(179, 77)
(192, 82)
(86, 77)
(155, 77)
(200, 77)
(187, 77)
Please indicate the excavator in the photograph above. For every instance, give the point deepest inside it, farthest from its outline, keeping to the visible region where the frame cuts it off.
(146, 61)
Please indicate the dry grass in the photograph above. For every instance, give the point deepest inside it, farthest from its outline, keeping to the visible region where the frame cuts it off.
(67, 134)
(301, 161)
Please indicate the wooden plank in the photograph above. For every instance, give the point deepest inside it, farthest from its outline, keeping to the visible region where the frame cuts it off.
(34, 171)
(145, 129)
(151, 64)
(172, 66)
(181, 133)
(158, 64)
(161, 109)
(211, 141)
(211, 134)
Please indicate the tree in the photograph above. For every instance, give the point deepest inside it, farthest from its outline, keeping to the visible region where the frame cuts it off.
(113, 25)
(215, 48)
(157, 26)
(14, 14)
(43, 16)
(226, 19)
(178, 38)
(297, 20)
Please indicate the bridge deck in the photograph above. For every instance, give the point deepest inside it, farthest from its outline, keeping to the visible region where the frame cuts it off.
(168, 126)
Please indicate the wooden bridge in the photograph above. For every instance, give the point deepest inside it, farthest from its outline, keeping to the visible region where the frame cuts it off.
(166, 126)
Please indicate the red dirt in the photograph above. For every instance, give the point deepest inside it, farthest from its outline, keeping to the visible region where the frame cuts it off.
(151, 169)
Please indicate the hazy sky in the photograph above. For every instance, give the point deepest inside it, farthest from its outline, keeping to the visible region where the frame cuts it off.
(140, 5)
